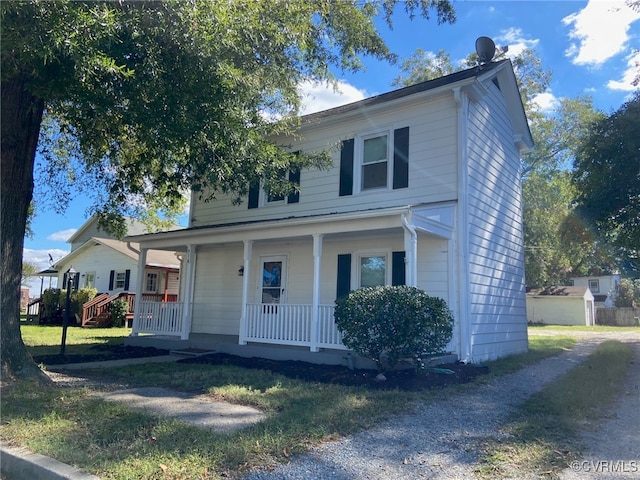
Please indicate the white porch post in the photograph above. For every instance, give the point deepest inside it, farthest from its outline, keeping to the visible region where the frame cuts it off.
(187, 298)
(246, 266)
(315, 310)
(411, 252)
(142, 262)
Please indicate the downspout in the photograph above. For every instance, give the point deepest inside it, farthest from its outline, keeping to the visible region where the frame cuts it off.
(411, 248)
(462, 231)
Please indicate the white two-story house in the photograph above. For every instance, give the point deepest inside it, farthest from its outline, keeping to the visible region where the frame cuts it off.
(424, 191)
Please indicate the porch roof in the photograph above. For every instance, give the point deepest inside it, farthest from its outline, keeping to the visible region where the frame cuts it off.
(434, 219)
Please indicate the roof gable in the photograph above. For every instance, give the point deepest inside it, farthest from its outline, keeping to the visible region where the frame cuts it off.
(474, 80)
(134, 227)
(131, 250)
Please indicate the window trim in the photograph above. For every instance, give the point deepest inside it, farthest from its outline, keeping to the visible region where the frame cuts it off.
(263, 195)
(86, 282)
(359, 164)
(356, 273)
(597, 285)
(116, 281)
(146, 282)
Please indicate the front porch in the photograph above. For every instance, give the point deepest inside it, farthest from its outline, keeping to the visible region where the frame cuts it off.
(279, 324)
(273, 289)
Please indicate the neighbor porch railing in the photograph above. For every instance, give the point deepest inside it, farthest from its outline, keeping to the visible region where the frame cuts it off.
(287, 324)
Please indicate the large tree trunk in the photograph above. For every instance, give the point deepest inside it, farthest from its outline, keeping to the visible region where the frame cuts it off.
(21, 118)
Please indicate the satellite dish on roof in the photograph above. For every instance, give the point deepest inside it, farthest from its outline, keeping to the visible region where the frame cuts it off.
(486, 49)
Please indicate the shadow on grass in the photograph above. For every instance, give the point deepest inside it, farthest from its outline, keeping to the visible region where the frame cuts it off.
(542, 436)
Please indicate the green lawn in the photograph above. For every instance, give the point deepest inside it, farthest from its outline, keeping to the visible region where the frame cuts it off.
(580, 328)
(46, 339)
(114, 442)
(542, 436)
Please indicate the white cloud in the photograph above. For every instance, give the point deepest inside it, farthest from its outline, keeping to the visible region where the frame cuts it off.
(599, 31)
(40, 258)
(630, 74)
(322, 96)
(515, 39)
(62, 235)
(546, 101)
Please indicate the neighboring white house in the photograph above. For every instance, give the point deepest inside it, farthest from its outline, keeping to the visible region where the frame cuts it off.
(109, 265)
(605, 288)
(424, 191)
(561, 305)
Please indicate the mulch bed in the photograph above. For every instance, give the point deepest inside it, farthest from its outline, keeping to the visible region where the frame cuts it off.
(407, 379)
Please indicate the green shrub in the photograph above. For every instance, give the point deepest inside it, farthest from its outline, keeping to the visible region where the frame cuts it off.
(119, 310)
(51, 302)
(388, 324)
(78, 299)
(629, 294)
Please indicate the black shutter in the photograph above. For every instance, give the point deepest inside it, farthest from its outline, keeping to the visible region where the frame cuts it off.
(65, 277)
(76, 281)
(401, 158)
(398, 275)
(254, 194)
(127, 276)
(344, 275)
(112, 275)
(294, 177)
(346, 167)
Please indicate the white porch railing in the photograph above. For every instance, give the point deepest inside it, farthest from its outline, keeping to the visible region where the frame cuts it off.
(159, 318)
(284, 324)
(288, 324)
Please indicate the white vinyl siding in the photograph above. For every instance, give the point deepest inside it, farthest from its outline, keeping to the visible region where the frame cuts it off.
(432, 166)
(217, 298)
(100, 260)
(497, 306)
(561, 310)
(91, 229)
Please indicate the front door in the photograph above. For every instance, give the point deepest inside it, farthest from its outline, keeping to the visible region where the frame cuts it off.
(273, 281)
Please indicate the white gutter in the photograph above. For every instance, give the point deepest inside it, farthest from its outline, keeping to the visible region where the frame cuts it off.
(202, 235)
(411, 249)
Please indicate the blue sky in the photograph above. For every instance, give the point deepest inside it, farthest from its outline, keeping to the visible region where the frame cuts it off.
(592, 48)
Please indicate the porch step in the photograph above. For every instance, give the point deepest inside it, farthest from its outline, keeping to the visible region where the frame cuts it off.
(102, 320)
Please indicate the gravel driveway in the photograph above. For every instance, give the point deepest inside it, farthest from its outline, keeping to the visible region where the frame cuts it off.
(438, 439)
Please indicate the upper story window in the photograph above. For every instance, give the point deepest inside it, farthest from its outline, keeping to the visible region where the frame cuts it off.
(594, 286)
(374, 171)
(259, 197)
(377, 160)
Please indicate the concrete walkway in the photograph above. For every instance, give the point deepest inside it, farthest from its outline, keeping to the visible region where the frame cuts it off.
(198, 410)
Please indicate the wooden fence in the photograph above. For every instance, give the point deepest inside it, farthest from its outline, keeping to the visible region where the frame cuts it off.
(620, 316)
